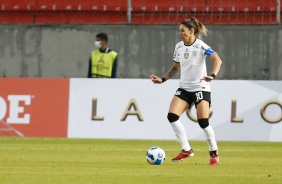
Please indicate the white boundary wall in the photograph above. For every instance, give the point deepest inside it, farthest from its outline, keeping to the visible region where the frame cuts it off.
(114, 95)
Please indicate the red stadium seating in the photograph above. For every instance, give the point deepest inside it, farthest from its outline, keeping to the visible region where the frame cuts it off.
(15, 5)
(143, 11)
(241, 5)
(168, 5)
(80, 17)
(86, 5)
(55, 5)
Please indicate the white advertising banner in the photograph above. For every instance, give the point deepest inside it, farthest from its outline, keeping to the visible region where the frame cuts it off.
(136, 109)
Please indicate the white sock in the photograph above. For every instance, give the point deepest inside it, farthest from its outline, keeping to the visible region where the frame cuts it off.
(210, 138)
(180, 133)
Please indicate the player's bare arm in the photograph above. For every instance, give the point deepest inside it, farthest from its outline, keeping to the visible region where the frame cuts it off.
(173, 70)
(216, 67)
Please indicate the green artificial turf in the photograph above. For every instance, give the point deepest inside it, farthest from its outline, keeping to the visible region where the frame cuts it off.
(54, 160)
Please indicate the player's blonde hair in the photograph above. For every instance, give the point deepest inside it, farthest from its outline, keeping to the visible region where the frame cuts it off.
(199, 28)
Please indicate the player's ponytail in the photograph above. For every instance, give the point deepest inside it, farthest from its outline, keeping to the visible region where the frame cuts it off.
(202, 30)
(199, 28)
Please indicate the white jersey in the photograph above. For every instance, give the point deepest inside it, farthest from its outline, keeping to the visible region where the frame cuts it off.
(192, 59)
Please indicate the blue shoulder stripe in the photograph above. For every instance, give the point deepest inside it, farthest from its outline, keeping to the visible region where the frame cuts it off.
(209, 52)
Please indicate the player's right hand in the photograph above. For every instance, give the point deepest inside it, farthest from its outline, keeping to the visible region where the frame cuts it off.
(206, 78)
(156, 79)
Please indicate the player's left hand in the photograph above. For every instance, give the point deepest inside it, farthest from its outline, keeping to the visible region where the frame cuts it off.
(206, 78)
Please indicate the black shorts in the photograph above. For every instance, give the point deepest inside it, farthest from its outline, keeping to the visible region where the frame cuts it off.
(193, 97)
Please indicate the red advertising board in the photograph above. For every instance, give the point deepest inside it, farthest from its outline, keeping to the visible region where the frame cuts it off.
(33, 107)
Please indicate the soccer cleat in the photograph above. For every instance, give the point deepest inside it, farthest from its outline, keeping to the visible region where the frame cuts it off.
(214, 158)
(184, 154)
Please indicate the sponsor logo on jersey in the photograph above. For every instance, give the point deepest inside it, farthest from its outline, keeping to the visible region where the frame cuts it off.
(196, 45)
(179, 46)
(194, 53)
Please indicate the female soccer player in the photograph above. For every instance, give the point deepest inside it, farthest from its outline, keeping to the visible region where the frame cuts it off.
(190, 58)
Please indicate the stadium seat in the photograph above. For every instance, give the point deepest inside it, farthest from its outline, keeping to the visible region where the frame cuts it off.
(86, 5)
(241, 5)
(15, 5)
(80, 17)
(17, 17)
(168, 5)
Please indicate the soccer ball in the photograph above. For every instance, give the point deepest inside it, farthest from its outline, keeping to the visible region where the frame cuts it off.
(155, 155)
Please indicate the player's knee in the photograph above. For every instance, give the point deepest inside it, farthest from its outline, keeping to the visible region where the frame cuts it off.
(204, 123)
(172, 117)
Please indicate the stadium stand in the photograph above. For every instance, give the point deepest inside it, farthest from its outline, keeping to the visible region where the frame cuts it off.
(143, 11)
